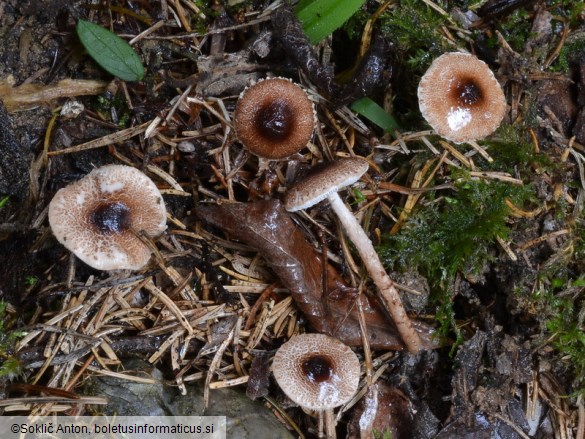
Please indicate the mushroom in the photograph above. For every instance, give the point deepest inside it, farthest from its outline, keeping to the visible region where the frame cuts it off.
(325, 184)
(317, 372)
(274, 118)
(100, 217)
(460, 98)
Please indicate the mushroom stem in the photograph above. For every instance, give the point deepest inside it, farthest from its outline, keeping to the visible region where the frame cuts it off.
(388, 291)
(330, 432)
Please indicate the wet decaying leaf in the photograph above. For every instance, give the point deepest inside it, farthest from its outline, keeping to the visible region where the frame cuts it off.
(372, 70)
(382, 409)
(499, 8)
(128, 346)
(259, 376)
(218, 334)
(476, 398)
(290, 34)
(267, 227)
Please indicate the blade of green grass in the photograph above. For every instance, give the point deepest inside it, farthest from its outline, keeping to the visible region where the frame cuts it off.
(375, 114)
(321, 17)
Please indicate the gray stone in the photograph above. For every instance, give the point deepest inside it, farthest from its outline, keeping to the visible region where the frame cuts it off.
(245, 418)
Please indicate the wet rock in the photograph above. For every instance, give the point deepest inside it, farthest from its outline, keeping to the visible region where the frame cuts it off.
(129, 398)
(245, 418)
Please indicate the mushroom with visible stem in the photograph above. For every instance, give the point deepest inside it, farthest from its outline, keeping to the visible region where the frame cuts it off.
(460, 98)
(325, 184)
(100, 218)
(317, 372)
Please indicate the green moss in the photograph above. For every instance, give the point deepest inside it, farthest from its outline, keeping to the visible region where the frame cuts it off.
(513, 152)
(385, 435)
(31, 280)
(420, 47)
(564, 321)
(355, 25)
(570, 52)
(447, 237)
(453, 235)
(9, 365)
(118, 103)
(516, 28)
(570, 9)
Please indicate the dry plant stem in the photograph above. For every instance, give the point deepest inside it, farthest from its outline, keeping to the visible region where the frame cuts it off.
(386, 287)
(28, 96)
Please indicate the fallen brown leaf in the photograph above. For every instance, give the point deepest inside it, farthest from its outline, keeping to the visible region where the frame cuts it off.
(267, 227)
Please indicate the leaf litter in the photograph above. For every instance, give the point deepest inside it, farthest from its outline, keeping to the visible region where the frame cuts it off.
(215, 298)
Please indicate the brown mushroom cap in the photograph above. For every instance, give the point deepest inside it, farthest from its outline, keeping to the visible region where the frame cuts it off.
(316, 371)
(460, 98)
(333, 177)
(274, 118)
(98, 217)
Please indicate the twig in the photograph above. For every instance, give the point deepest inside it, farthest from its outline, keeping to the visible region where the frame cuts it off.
(116, 137)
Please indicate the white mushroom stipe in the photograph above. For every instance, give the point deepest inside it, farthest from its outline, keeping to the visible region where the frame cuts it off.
(371, 260)
(326, 183)
(99, 217)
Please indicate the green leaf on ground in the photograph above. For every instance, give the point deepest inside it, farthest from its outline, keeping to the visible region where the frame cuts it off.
(321, 17)
(110, 51)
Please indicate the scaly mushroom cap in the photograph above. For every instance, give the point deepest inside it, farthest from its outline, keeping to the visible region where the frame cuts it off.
(274, 118)
(333, 177)
(460, 98)
(99, 217)
(316, 371)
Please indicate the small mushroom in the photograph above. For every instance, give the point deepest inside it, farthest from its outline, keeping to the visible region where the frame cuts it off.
(274, 118)
(325, 184)
(460, 98)
(317, 372)
(100, 217)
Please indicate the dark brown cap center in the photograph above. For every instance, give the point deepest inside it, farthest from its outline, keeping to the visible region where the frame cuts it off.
(111, 218)
(318, 368)
(467, 92)
(275, 120)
